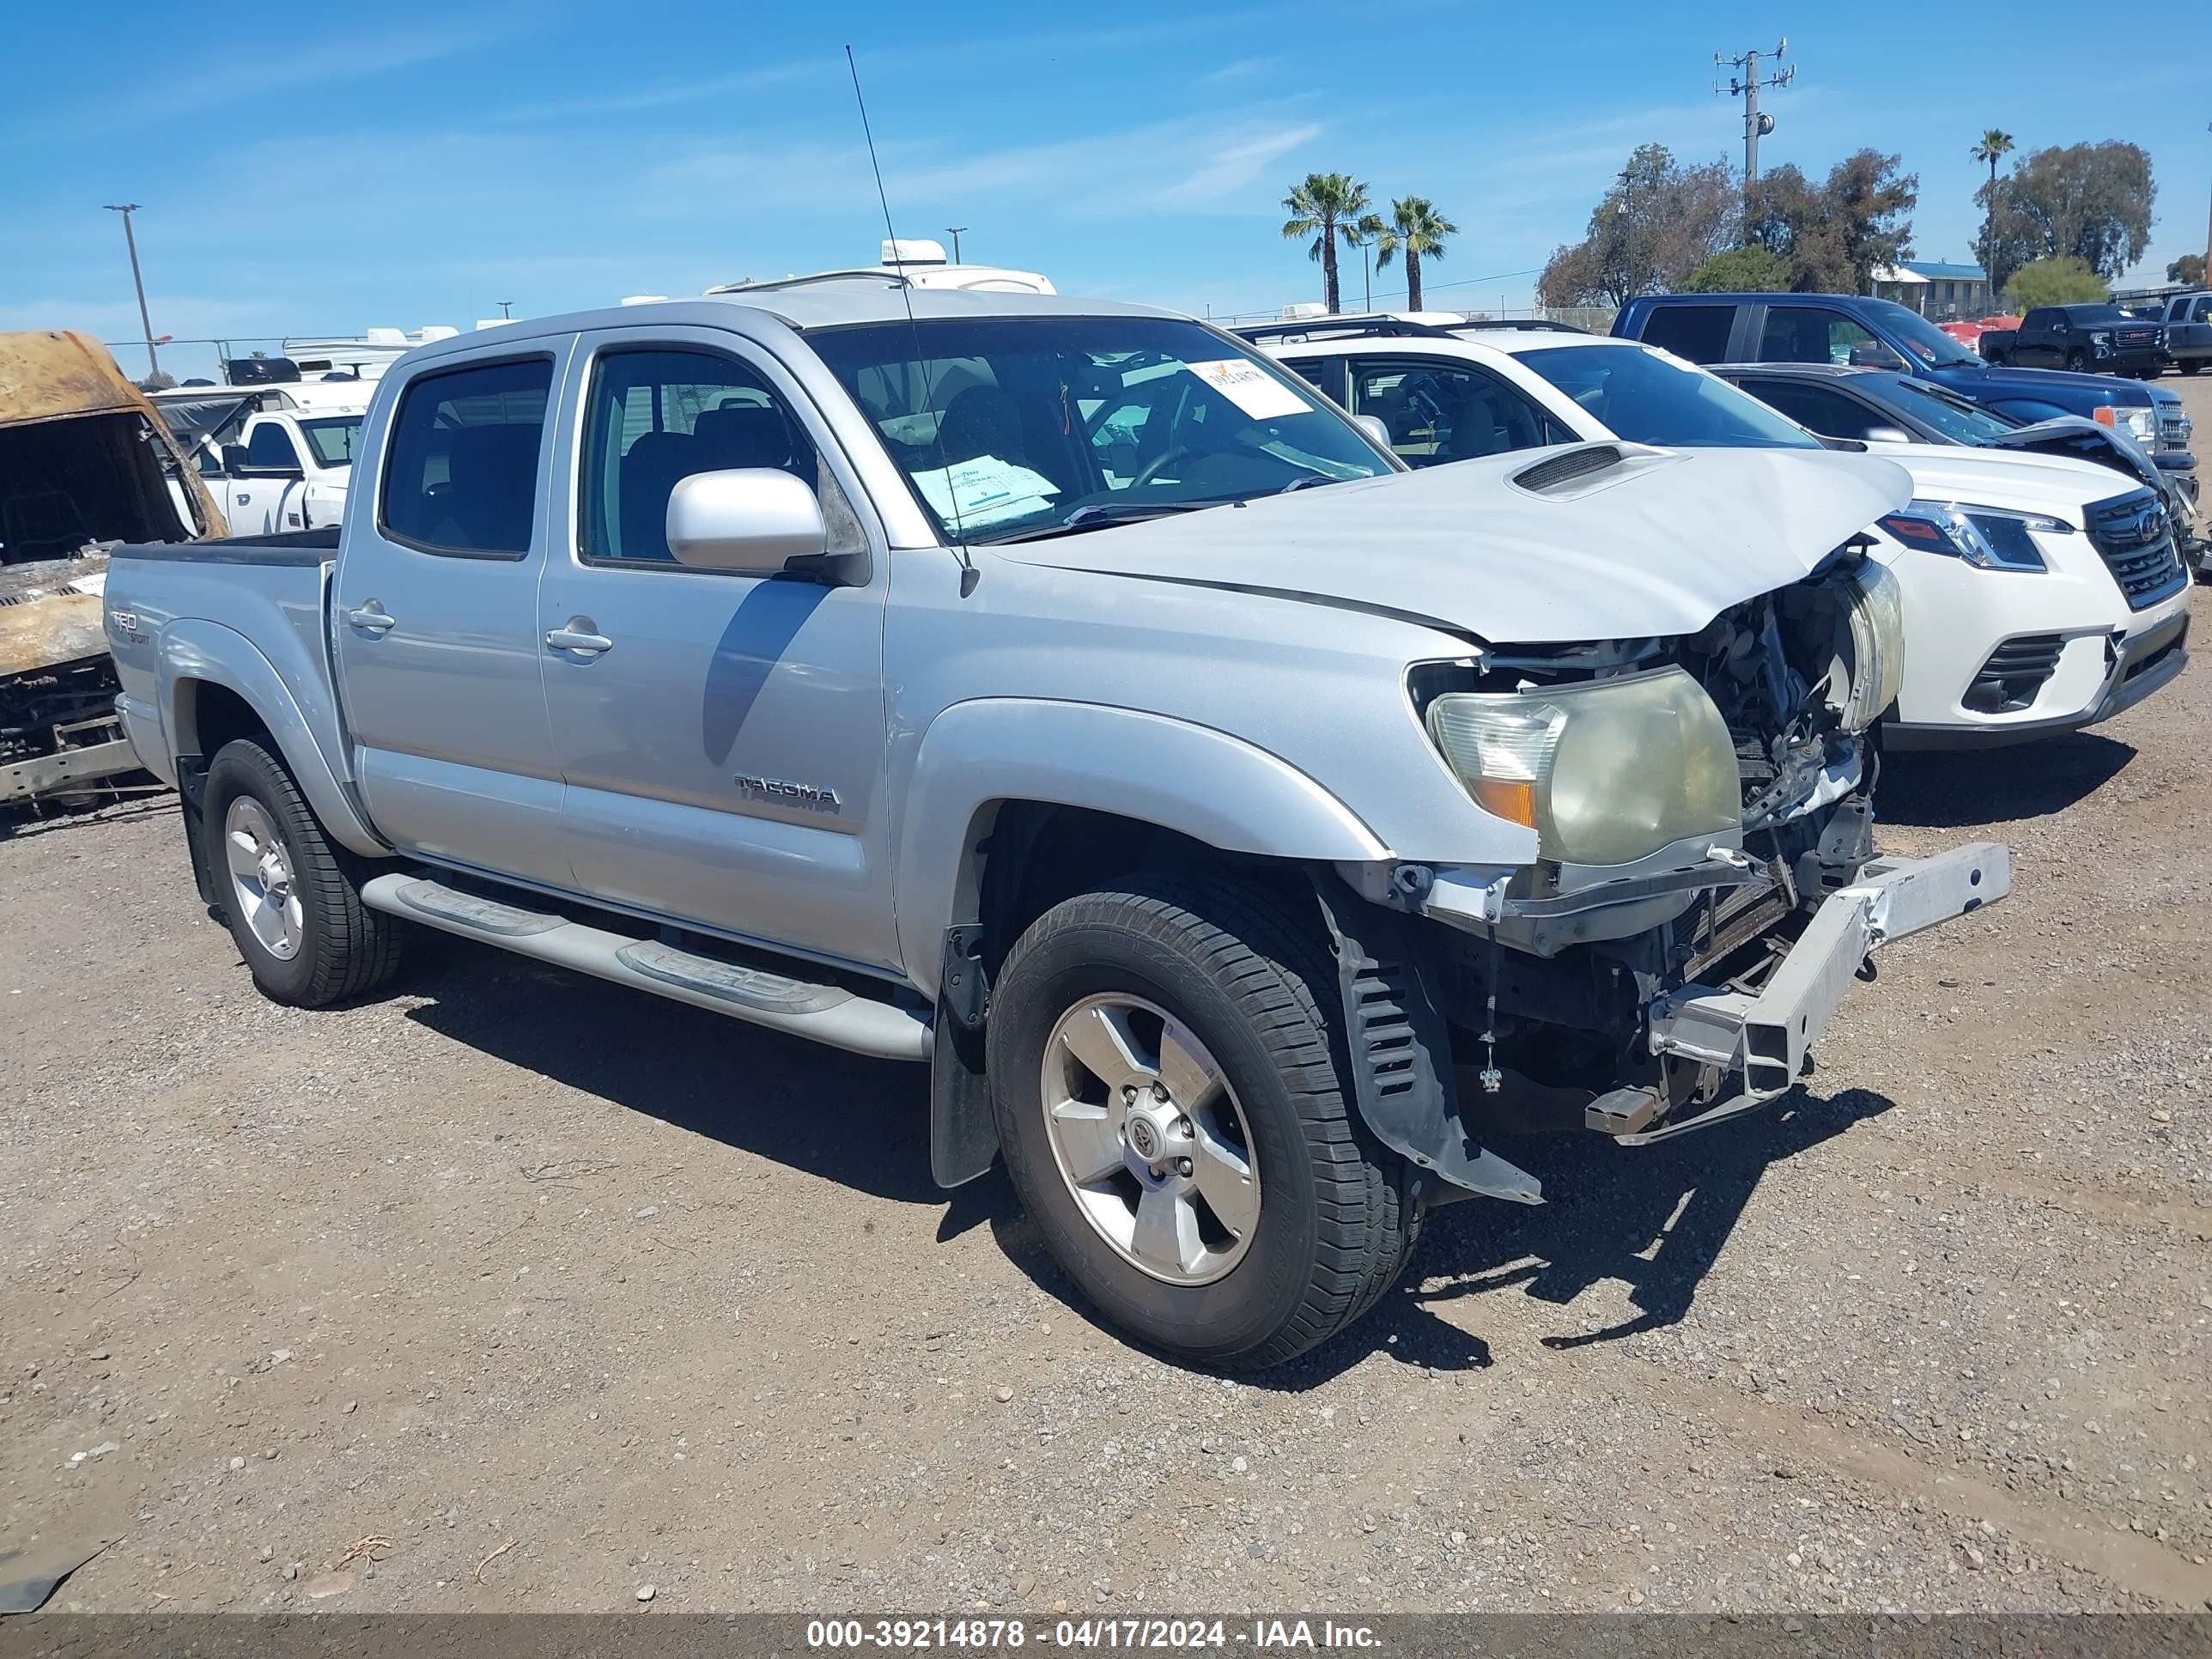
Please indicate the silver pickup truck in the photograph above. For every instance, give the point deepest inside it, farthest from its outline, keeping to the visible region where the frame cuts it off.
(1245, 830)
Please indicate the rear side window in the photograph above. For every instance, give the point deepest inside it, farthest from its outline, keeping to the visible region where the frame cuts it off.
(461, 473)
(1699, 333)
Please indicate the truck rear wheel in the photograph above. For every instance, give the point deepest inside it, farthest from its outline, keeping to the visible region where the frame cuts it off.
(291, 898)
(1166, 1064)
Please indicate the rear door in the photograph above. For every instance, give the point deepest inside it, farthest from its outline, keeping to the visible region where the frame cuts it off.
(438, 656)
(721, 735)
(1696, 331)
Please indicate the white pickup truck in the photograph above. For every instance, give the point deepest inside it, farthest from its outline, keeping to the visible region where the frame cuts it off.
(285, 471)
(1241, 828)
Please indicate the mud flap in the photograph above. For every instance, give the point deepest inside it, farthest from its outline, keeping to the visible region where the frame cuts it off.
(1401, 1049)
(192, 796)
(964, 1132)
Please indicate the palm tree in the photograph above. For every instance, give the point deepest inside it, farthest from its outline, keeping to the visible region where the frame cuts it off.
(1362, 236)
(1997, 143)
(1326, 206)
(1416, 229)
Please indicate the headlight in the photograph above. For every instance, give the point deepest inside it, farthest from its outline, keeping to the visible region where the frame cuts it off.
(1605, 772)
(1877, 645)
(2101, 339)
(2141, 424)
(1987, 538)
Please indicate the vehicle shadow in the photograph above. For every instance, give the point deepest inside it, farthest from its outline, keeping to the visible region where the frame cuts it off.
(863, 1123)
(1931, 790)
(1655, 1219)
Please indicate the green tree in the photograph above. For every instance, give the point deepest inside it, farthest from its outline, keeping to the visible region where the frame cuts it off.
(2188, 270)
(1995, 145)
(2092, 201)
(2063, 280)
(1835, 236)
(1659, 221)
(1740, 270)
(1418, 231)
(1327, 207)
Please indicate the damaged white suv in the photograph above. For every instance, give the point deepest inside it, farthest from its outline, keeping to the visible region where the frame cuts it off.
(1061, 695)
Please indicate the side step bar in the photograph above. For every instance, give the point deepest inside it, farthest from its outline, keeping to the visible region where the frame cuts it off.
(825, 1013)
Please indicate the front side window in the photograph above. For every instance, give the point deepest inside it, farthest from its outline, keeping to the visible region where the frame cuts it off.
(270, 447)
(1814, 334)
(1438, 412)
(332, 438)
(1020, 425)
(1649, 398)
(1695, 333)
(658, 416)
(1816, 408)
(461, 475)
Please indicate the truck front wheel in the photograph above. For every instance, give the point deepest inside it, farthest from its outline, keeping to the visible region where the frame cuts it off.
(1166, 1063)
(291, 898)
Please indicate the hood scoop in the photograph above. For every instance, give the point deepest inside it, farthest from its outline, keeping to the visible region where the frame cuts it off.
(1570, 475)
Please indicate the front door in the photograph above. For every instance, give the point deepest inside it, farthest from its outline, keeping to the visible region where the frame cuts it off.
(439, 652)
(721, 735)
(268, 482)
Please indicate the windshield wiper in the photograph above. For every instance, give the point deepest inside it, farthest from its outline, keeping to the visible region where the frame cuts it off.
(1099, 515)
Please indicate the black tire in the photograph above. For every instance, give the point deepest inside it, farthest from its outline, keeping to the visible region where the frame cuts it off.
(1247, 967)
(346, 949)
(2077, 360)
(2192, 365)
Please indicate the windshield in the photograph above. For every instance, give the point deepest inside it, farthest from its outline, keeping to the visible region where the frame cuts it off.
(2079, 314)
(1954, 417)
(1648, 398)
(1007, 426)
(1918, 336)
(332, 438)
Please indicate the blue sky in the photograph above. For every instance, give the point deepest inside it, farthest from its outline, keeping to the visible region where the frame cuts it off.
(313, 169)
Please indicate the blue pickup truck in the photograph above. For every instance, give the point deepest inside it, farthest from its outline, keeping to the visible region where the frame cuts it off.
(1852, 329)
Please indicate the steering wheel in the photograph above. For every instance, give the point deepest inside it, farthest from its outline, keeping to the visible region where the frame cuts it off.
(1151, 469)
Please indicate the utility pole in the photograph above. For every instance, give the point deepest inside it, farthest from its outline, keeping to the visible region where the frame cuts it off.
(1628, 224)
(505, 309)
(1745, 84)
(126, 209)
(953, 231)
(2208, 233)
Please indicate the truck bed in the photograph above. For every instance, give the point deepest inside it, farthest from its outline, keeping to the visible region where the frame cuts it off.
(247, 611)
(295, 547)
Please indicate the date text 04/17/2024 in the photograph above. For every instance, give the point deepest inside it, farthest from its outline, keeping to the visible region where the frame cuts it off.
(1200, 1635)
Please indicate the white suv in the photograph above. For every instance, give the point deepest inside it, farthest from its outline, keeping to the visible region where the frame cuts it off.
(2040, 595)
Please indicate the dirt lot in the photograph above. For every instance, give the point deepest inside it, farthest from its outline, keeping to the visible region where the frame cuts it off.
(519, 1291)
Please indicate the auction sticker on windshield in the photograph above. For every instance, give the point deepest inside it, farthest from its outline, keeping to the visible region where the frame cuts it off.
(1250, 388)
(976, 494)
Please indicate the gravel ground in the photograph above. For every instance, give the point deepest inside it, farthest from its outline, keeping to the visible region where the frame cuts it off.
(519, 1291)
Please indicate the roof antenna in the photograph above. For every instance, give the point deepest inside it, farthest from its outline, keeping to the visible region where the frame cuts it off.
(969, 574)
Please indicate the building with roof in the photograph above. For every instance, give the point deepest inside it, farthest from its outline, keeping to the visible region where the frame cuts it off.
(1936, 290)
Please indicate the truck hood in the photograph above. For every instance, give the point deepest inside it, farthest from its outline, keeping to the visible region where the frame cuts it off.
(1659, 546)
(2020, 481)
(1991, 380)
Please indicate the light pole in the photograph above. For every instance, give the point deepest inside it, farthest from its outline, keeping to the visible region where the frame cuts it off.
(126, 209)
(505, 309)
(953, 231)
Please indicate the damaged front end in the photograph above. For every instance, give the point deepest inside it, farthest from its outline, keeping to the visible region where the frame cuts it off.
(1705, 887)
(59, 734)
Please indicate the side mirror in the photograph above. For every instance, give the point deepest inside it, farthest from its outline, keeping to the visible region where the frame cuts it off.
(233, 459)
(753, 520)
(1888, 435)
(1373, 427)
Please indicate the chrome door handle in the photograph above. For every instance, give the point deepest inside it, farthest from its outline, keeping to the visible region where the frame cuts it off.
(578, 640)
(371, 618)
